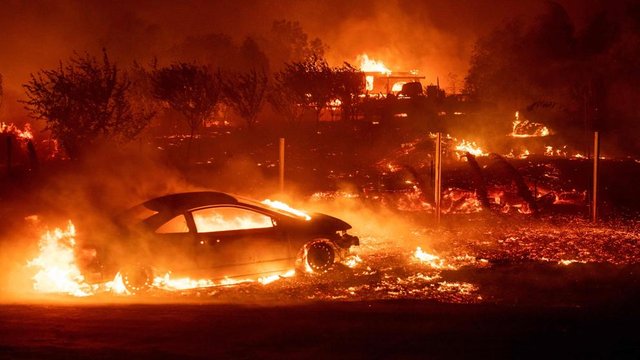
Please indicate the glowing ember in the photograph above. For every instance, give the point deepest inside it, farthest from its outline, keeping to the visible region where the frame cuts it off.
(460, 201)
(523, 154)
(286, 208)
(58, 271)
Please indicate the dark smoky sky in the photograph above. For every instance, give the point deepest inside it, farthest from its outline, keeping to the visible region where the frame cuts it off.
(435, 37)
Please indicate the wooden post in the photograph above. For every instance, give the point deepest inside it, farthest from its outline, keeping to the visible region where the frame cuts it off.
(281, 167)
(9, 155)
(438, 176)
(596, 160)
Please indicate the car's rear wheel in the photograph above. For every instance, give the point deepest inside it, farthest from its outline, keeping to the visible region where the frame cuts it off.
(136, 279)
(319, 256)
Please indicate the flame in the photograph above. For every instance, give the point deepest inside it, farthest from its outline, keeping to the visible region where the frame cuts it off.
(432, 260)
(471, 147)
(526, 128)
(286, 208)
(352, 261)
(58, 270)
(117, 286)
(25, 134)
(522, 155)
(371, 66)
(397, 86)
(166, 282)
(335, 103)
(269, 279)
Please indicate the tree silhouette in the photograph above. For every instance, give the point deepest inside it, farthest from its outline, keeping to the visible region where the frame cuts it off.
(289, 43)
(311, 82)
(189, 89)
(245, 93)
(83, 101)
(285, 101)
(347, 84)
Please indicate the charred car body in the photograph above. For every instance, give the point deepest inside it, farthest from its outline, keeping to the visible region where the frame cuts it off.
(218, 235)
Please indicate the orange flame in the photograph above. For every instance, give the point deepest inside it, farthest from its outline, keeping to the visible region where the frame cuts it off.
(24, 134)
(286, 208)
(58, 271)
(432, 260)
(526, 128)
(471, 147)
(371, 66)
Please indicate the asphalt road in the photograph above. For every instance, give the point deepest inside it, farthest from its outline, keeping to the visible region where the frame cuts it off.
(337, 330)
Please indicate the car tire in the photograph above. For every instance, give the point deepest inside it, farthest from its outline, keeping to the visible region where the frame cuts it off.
(136, 279)
(319, 256)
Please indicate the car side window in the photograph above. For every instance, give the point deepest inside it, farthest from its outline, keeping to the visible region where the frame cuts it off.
(229, 218)
(177, 225)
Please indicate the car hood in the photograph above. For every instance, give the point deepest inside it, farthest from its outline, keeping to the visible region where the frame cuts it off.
(328, 223)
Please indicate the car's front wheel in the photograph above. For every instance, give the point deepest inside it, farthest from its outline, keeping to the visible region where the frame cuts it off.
(319, 256)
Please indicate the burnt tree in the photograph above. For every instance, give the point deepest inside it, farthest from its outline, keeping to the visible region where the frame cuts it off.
(83, 101)
(347, 84)
(245, 93)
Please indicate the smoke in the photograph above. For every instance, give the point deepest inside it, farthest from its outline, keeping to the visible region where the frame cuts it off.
(435, 37)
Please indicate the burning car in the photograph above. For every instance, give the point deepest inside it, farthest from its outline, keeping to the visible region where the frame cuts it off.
(217, 235)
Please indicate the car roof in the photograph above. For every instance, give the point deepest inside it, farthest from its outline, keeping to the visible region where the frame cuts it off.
(188, 200)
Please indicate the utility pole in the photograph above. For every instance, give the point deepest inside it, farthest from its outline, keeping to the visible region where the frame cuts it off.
(594, 193)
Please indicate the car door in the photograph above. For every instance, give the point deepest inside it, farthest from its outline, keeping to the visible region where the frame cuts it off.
(237, 241)
(173, 246)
